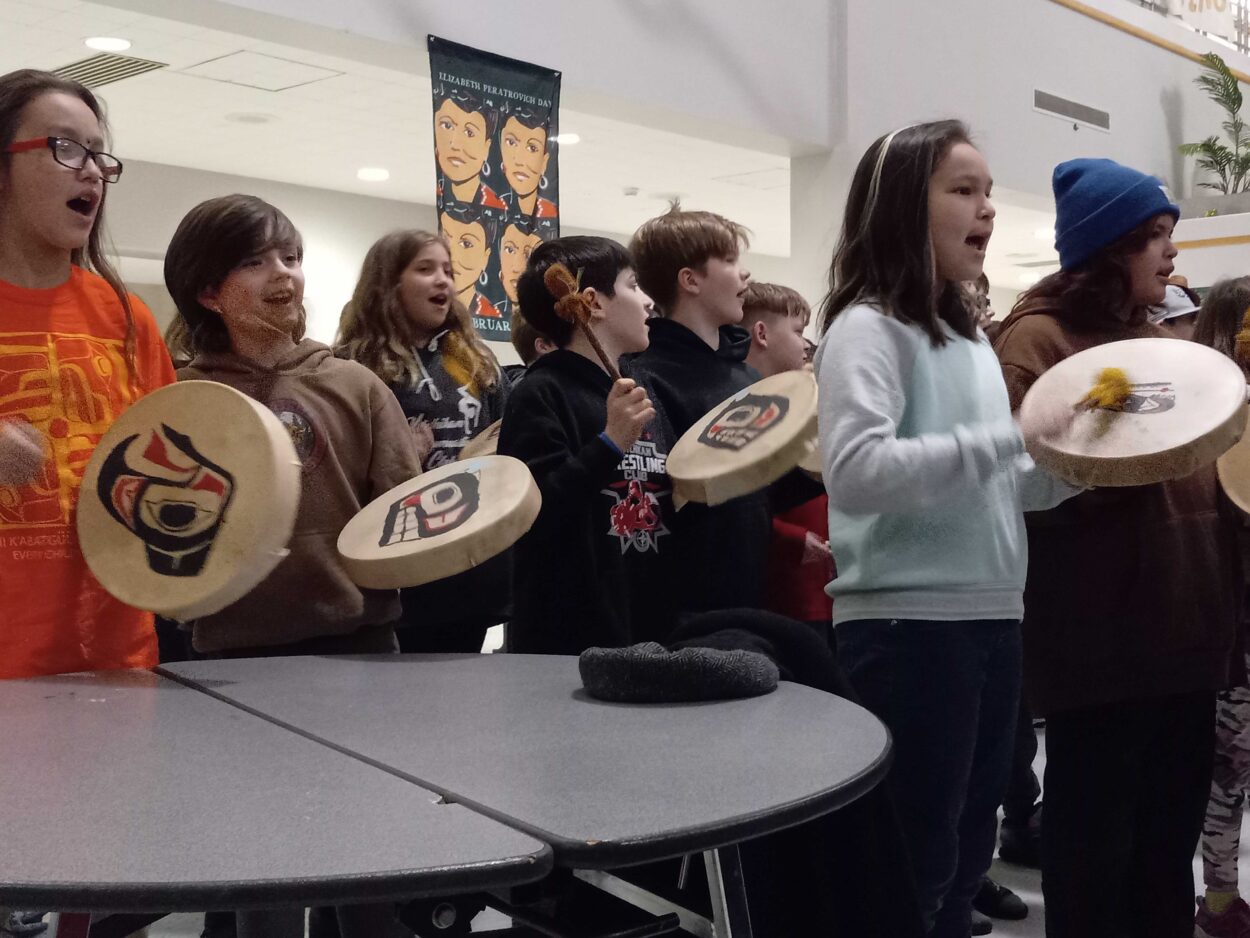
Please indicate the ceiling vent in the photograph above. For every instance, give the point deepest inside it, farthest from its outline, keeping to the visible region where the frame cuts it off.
(106, 68)
(1054, 106)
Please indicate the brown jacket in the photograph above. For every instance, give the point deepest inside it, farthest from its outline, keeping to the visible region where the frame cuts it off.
(1131, 592)
(355, 444)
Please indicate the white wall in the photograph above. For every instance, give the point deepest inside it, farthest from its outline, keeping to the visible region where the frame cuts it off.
(1203, 259)
(337, 229)
(980, 60)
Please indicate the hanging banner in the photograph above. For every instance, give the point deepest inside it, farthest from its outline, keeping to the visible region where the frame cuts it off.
(1210, 16)
(498, 181)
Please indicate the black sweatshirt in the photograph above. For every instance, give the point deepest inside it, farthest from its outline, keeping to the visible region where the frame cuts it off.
(719, 555)
(572, 587)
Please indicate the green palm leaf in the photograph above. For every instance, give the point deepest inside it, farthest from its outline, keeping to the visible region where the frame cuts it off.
(1230, 166)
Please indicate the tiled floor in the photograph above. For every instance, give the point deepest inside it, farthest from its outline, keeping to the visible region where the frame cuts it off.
(1025, 882)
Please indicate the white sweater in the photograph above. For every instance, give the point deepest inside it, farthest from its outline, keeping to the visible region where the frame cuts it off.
(926, 474)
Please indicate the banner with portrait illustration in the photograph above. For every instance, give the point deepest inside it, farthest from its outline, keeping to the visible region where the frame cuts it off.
(497, 175)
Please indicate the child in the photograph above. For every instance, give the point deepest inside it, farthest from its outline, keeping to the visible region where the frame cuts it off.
(584, 438)
(530, 344)
(1220, 316)
(1178, 313)
(1222, 911)
(79, 350)
(799, 564)
(926, 476)
(690, 262)
(234, 271)
(708, 581)
(405, 324)
(1132, 596)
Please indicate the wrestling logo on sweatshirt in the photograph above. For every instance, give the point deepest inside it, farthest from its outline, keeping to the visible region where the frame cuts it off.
(744, 420)
(635, 516)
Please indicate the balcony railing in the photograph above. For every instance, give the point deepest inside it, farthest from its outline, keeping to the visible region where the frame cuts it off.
(1241, 15)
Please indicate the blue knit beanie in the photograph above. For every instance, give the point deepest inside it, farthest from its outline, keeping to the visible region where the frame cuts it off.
(1097, 201)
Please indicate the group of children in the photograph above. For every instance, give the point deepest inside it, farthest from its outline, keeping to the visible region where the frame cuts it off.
(1129, 598)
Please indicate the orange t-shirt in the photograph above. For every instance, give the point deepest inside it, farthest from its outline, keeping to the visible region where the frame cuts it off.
(63, 369)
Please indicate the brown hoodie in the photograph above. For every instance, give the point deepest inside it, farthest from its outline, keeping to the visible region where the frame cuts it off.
(355, 444)
(1132, 592)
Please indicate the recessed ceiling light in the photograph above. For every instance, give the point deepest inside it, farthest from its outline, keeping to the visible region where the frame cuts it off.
(373, 174)
(107, 44)
(1044, 234)
(251, 117)
(1030, 277)
(567, 140)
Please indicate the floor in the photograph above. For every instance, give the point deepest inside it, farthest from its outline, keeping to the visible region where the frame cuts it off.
(1025, 882)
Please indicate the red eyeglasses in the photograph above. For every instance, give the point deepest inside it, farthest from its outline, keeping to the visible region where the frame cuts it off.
(71, 154)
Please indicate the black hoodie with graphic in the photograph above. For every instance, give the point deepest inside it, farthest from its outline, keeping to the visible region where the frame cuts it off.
(583, 572)
(719, 556)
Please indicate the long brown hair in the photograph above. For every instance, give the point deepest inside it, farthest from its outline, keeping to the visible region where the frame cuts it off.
(376, 331)
(17, 90)
(1098, 288)
(884, 257)
(1222, 314)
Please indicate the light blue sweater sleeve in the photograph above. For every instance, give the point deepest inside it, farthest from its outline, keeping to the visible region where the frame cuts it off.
(864, 369)
(1039, 490)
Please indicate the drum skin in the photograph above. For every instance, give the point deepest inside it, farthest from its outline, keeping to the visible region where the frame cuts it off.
(189, 500)
(747, 441)
(441, 523)
(1187, 407)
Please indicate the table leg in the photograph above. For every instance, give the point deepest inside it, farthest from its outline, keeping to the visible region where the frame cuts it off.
(731, 918)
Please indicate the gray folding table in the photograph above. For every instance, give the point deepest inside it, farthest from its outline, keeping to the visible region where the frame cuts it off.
(606, 785)
(127, 791)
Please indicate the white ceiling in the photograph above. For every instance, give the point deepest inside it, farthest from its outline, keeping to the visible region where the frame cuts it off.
(333, 116)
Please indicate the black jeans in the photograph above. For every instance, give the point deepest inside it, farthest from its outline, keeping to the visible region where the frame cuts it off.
(949, 693)
(1126, 794)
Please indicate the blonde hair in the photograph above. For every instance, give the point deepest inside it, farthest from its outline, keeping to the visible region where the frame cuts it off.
(677, 239)
(375, 329)
(773, 299)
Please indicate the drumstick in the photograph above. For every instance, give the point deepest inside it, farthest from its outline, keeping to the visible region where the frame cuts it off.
(1109, 392)
(572, 306)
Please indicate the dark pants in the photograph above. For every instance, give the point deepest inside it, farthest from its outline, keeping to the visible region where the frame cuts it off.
(366, 640)
(444, 637)
(847, 869)
(1126, 793)
(949, 694)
